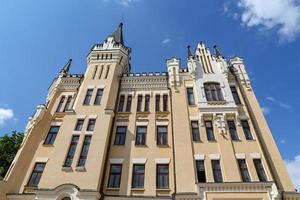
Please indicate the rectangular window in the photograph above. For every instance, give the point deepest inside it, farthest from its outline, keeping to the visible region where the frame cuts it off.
(36, 174)
(84, 151)
(157, 102)
(88, 97)
(98, 96)
(120, 135)
(217, 173)
(71, 152)
(101, 70)
(260, 170)
(162, 176)
(162, 135)
(200, 171)
(246, 129)
(190, 96)
(141, 132)
(244, 170)
(235, 95)
(51, 135)
(138, 175)
(209, 131)
(95, 71)
(68, 104)
(107, 71)
(114, 179)
(128, 104)
(60, 104)
(147, 102)
(91, 125)
(79, 124)
(165, 102)
(232, 130)
(139, 103)
(195, 130)
(121, 103)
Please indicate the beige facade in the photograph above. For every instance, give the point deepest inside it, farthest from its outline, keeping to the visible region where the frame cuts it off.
(194, 132)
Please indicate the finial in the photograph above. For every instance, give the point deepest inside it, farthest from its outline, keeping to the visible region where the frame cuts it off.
(66, 68)
(218, 52)
(190, 55)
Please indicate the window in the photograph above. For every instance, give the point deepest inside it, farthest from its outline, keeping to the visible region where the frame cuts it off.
(51, 135)
(195, 130)
(213, 92)
(139, 103)
(88, 97)
(147, 101)
(95, 70)
(121, 103)
(141, 132)
(162, 176)
(138, 175)
(217, 173)
(36, 174)
(209, 131)
(114, 179)
(235, 95)
(246, 130)
(68, 104)
(232, 130)
(61, 102)
(128, 104)
(190, 96)
(79, 124)
(107, 71)
(71, 152)
(120, 135)
(91, 125)
(162, 135)
(165, 102)
(260, 170)
(157, 102)
(200, 171)
(244, 170)
(84, 151)
(101, 70)
(98, 96)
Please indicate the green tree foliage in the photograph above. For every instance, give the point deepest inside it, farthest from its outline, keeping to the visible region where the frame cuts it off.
(9, 145)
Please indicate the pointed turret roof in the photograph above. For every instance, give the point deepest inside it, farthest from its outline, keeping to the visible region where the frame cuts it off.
(190, 55)
(118, 34)
(66, 68)
(217, 51)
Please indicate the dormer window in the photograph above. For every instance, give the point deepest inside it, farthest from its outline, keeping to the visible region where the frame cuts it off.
(213, 92)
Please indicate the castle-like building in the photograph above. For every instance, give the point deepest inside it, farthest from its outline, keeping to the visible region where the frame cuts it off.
(190, 133)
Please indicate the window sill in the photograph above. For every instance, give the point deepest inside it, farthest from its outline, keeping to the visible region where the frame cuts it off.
(163, 145)
(163, 189)
(141, 145)
(48, 145)
(89, 132)
(162, 112)
(212, 141)
(112, 188)
(125, 112)
(137, 189)
(143, 112)
(77, 132)
(66, 169)
(192, 105)
(216, 102)
(80, 168)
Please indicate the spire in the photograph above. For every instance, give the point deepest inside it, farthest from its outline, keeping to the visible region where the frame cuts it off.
(218, 52)
(66, 68)
(118, 34)
(190, 55)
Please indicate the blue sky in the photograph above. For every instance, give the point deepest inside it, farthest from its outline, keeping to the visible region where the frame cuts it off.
(38, 37)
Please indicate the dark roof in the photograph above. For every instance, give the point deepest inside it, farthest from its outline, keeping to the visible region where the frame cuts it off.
(118, 34)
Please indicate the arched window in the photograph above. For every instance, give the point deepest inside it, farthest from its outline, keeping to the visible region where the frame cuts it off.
(66, 198)
(213, 92)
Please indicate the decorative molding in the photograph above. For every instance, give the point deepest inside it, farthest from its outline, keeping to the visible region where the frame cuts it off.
(255, 155)
(122, 123)
(240, 156)
(214, 156)
(162, 123)
(139, 160)
(162, 160)
(116, 160)
(56, 123)
(41, 159)
(199, 156)
(93, 116)
(194, 118)
(142, 123)
(81, 116)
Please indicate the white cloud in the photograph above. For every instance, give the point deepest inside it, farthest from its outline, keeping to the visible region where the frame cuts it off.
(283, 16)
(5, 114)
(279, 103)
(282, 141)
(125, 3)
(266, 110)
(293, 167)
(165, 41)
